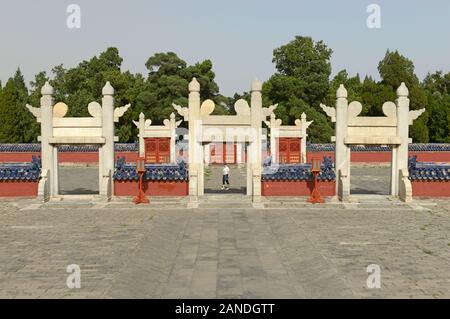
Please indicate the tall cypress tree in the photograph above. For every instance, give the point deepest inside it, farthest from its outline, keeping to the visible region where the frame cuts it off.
(15, 117)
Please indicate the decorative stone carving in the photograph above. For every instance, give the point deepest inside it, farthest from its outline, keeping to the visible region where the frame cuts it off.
(182, 111)
(330, 111)
(60, 109)
(207, 108)
(95, 109)
(241, 107)
(120, 111)
(413, 115)
(35, 111)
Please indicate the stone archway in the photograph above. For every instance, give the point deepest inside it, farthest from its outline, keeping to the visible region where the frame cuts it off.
(245, 127)
(391, 129)
(56, 129)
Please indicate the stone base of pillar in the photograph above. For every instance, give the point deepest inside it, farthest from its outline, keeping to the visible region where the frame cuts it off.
(44, 186)
(193, 202)
(343, 185)
(258, 205)
(106, 190)
(404, 186)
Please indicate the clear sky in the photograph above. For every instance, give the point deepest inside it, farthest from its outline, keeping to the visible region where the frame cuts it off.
(238, 36)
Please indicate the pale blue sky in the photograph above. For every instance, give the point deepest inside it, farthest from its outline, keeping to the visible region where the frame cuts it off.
(238, 36)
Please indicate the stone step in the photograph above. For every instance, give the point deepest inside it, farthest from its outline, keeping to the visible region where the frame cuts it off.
(225, 205)
(225, 201)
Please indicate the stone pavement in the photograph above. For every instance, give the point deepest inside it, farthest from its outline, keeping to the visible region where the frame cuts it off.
(213, 179)
(291, 249)
(365, 179)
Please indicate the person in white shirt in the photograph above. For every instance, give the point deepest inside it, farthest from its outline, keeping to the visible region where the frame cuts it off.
(225, 177)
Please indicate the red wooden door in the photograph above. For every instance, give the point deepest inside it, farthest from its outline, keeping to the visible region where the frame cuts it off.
(289, 150)
(157, 150)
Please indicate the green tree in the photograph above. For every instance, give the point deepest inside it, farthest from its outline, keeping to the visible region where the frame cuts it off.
(395, 69)
(301, 83)
(167, 83)
(437, 87)
(16, 120)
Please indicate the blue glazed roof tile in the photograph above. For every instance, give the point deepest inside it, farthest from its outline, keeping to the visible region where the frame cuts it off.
(21, 171)
(153, 172)
(296, 172)
(427, 171)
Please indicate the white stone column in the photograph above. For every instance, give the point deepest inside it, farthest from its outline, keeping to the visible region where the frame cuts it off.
(303, 135)
(107, 158)
(342, 159)
(207, 153)
(402, 132)
(173, 136)
(47, 152)
(141, 135)
(239, 153)
(255, 146)
(274, 134)
(194, 117)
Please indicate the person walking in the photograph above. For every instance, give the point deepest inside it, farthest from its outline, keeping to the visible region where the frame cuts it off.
(225, 177)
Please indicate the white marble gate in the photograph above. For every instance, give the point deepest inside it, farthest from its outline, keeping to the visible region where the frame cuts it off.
(244, 127)
(391, 129)
(56, 129)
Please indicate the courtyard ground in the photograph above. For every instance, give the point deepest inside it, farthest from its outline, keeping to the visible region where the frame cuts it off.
(225, 248)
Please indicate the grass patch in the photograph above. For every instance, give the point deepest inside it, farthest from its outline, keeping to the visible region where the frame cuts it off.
(428, 252)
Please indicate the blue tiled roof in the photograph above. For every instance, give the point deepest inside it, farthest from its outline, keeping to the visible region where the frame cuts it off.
(36, 147)
(23, 171)
(417, 147)
(297, 172)
(427, 171)
(153, 172)
(134, 147)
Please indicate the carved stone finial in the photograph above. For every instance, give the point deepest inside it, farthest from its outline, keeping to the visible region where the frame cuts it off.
(272, 116)
(172, 116)
(402, 90)
(108, 89)
(303, 116)
(341, 92)
(141, 115)
(194, 86)
(47, 89)
(256, 85)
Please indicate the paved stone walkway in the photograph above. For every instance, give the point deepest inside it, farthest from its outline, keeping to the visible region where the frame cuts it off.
(289, 250)
(213, 179)
(365, 179)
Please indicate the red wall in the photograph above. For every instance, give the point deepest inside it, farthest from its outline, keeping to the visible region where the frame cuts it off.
(296, 188)
(385, 157)
(131, 188)
(64, 157)
(18, 188)
(431, 189)
(356, 157)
